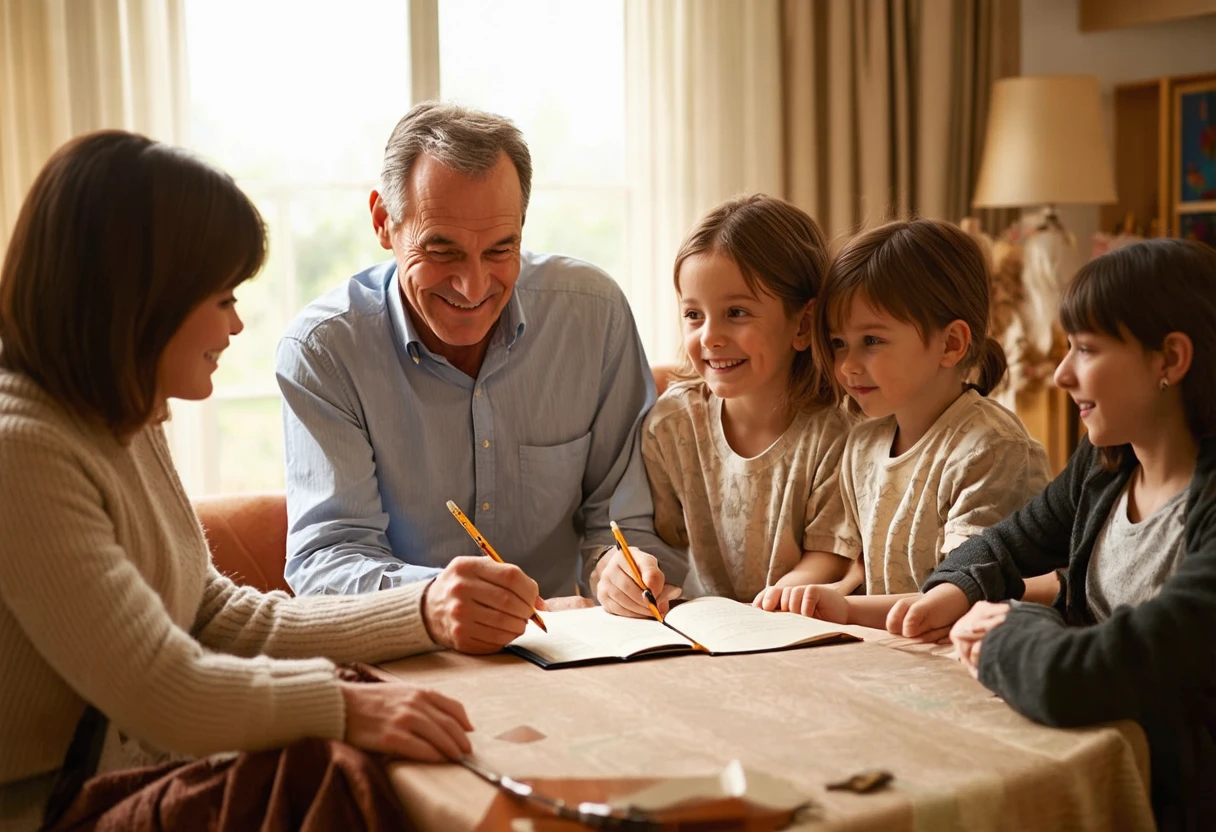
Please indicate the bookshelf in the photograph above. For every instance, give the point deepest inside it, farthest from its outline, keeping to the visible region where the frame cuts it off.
(1146, 126)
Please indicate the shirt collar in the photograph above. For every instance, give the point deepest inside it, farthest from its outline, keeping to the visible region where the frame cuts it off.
(511, 322)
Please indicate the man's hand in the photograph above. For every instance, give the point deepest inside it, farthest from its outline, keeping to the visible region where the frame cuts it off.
(617, 591)
(405, 721)
(477, 606)
(928, 617)
(814, 601)
(968, 632)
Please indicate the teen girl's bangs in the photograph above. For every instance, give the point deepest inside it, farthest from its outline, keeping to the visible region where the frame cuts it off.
(1090, 302)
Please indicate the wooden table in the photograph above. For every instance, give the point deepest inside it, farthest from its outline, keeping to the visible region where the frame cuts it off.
(962, 759)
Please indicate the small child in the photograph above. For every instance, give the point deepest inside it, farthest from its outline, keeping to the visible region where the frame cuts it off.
(743, 454)
(902, 321)
(1132, 518)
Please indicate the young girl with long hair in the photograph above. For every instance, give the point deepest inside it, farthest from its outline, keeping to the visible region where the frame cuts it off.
(742, 454)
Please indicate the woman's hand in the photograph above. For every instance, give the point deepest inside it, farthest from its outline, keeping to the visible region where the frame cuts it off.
(968, 632)
(405, 721)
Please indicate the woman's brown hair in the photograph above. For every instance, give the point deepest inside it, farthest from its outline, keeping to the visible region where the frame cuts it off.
(1146, 291)
(923, 272)
(118, 240)
(781, 252)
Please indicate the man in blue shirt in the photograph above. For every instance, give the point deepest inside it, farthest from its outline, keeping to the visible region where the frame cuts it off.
(466, 369)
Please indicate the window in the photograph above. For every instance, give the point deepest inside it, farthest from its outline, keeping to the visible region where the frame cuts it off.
(296, 100)
(557, 69)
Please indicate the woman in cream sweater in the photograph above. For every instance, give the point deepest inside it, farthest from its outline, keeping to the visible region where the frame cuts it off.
(116, 295)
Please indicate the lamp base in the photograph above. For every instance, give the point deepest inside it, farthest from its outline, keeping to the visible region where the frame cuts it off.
(1050, 259)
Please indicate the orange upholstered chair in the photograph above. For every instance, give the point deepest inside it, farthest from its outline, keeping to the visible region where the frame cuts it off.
(247, 534)
(662, 376)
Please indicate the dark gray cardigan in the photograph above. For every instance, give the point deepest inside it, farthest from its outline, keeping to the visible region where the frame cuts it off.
(1155, 663)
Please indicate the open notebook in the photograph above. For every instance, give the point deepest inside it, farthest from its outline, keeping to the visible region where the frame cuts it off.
(720, 625)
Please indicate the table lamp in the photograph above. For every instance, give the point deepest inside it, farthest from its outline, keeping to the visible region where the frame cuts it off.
(1045, 146)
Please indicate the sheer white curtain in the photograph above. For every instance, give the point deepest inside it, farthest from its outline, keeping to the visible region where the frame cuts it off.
(69, 67)
(703, 99)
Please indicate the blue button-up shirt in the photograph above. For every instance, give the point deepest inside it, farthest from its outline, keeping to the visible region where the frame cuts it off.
(540, 450)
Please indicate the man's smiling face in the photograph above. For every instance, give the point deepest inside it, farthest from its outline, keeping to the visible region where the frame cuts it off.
(457, 250)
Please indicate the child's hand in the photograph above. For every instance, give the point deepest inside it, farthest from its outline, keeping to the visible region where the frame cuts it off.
(619, 594)
(928, 617)
(968, 632)
(813, 601)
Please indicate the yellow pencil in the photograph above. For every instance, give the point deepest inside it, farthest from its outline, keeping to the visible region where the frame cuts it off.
(486, 548)
(637, 573)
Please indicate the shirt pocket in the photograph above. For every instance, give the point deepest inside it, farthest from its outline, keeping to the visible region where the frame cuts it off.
(551, 481)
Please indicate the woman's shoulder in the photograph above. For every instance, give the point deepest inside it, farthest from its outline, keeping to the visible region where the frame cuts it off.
(32, 421)
(27, 412)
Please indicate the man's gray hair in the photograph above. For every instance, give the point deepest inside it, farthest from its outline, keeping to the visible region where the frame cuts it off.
(466, 140)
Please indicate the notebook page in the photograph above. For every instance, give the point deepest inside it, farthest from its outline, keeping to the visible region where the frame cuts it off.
(726, 626)
(578, 635)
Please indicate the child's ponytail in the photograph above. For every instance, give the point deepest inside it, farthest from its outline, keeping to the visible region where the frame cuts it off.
(991, 365)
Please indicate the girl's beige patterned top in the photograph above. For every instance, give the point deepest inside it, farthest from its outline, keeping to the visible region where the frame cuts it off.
(745, 522)
(975, 466)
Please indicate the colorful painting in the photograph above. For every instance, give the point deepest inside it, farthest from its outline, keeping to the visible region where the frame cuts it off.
(1200, 226)
(1197, 144)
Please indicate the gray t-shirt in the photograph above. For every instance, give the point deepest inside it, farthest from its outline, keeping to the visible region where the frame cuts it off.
(1130, 560)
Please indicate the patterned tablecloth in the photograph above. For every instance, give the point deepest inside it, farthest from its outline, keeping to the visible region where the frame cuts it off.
(962, 759)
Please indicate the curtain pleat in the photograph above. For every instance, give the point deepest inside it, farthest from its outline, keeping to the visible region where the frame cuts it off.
(69, 67)
(886, 103)
(704, 104)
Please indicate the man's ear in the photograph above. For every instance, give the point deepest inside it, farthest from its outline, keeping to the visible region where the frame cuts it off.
(380, 220)
(956, 340)
(806, 323)
(1178, 352)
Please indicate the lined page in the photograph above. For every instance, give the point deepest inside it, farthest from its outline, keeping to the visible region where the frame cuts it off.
(726, 626)
(579, 635)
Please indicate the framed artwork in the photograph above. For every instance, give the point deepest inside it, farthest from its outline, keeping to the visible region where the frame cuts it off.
(1194, 156)
(1199, 226)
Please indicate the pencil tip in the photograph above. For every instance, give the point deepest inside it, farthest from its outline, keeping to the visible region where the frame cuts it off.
(451, 505)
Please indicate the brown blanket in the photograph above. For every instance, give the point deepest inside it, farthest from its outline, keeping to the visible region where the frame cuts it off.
(312, 784)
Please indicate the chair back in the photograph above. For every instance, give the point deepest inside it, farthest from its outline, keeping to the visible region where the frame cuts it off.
(247, 534)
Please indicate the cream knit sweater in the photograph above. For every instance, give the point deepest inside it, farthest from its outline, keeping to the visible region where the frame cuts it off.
(108, 596)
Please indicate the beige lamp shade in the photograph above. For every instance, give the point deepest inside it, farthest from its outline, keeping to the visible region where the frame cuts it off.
(1046, 144)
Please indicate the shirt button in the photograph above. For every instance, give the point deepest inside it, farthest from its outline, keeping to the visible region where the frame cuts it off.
(485, 444)
(485, 506)
(477, 393)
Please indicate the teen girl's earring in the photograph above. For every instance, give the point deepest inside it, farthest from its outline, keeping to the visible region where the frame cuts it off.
(1164, 384)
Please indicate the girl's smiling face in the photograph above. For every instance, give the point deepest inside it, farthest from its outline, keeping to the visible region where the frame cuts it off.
(1115, 383)
(742, 343)
(883, 363)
